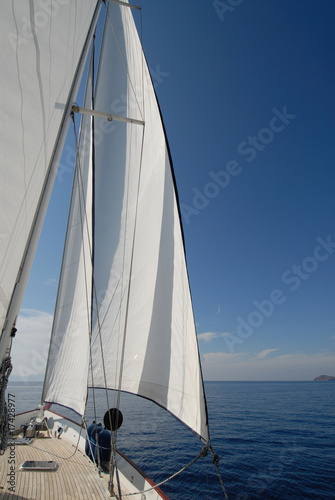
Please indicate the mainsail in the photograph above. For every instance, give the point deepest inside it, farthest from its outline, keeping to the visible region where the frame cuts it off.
(141, 325)
(43, 50)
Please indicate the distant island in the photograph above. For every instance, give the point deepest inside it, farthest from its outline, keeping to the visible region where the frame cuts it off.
(323, 378)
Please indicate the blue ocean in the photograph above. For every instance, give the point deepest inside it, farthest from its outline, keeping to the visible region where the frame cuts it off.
(276, 440)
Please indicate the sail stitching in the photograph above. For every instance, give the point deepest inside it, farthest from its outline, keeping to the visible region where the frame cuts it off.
(38, 75)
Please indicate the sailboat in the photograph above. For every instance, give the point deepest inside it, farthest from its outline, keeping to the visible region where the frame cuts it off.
(123, 317)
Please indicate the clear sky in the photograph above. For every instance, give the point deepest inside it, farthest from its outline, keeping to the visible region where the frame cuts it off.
(246, 88)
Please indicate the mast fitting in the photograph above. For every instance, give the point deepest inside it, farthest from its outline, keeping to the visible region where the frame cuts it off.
(110, 117)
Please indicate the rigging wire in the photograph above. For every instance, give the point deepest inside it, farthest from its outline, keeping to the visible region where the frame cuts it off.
(81, 190)
(81, 193)
(120, 361)
(95, 303)
(108, 17)
(215, 461)
(93, 210)
(132, 86)
(94, 294)
(94, 291)
(117, 395)
(112, 463)
(201, 453)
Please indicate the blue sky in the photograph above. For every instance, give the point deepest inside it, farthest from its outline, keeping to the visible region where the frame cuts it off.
(246, 92)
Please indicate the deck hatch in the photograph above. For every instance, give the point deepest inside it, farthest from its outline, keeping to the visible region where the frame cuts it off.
(39, 465)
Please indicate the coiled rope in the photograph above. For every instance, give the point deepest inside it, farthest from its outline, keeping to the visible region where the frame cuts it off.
(6, 369)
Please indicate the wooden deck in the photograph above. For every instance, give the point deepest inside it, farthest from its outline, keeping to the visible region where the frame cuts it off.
(76, 478)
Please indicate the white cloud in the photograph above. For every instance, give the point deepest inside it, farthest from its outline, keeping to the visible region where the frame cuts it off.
(264, 353)
(51, 282)
(209, 336)
(243, 366)
(31, 344)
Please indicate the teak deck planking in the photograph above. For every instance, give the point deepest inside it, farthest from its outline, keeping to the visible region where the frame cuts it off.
(75, 479)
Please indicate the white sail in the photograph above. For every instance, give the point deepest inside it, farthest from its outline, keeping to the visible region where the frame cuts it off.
(41, 48)
(144, 338)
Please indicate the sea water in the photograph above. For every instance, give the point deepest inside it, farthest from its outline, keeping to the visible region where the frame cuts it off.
(276, 440)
